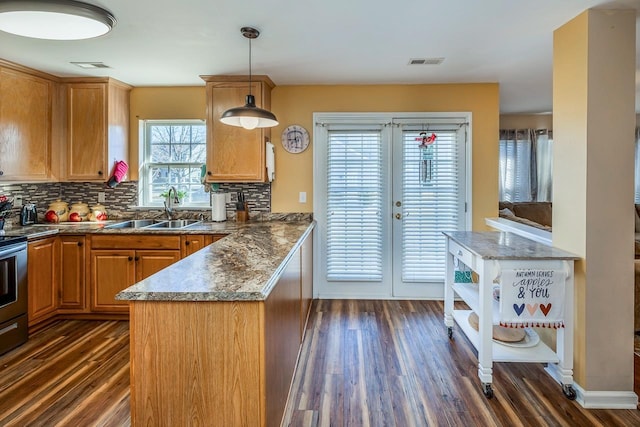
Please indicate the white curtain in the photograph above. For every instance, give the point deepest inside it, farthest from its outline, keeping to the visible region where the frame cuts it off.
(544, 161)
(515, 177)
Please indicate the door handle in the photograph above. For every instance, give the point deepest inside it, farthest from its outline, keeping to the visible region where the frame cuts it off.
(398, 216)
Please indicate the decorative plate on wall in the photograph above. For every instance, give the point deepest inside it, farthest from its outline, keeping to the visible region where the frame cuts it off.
(295, 139)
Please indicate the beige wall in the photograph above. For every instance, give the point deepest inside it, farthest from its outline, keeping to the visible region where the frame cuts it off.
(296, 105)
(161, 103)
(594, 117)
(526, 121)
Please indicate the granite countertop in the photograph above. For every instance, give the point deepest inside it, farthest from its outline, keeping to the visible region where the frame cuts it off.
(505, 245)
(244, 266)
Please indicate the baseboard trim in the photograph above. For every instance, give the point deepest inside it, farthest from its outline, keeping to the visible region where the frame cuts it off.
(598, 399)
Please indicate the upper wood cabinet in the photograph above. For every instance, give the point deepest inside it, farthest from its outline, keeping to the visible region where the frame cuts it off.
(97, 127)
(235, 154)
(26, 104)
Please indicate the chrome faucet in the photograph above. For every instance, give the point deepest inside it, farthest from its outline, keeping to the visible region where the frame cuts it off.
(168, 208)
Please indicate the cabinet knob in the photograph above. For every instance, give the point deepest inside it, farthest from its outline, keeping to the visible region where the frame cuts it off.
(209, 173)
(100, 173)
(130, 258)
(137, 258)
(187, 243)
(79, 243)
(1, 173)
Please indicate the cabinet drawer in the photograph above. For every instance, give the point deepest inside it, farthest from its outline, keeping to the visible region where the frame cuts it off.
(462, 254)
(135, 241)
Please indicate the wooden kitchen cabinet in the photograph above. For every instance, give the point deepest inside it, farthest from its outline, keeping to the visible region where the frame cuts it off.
(26, 103)
(111, 272)
(150, 262)
(306, 282)
(97, 127)
(119, 261)
(43, 276)
(235, 154)
(210, 238)
(72, 295)
(191, 243)
(256, 347)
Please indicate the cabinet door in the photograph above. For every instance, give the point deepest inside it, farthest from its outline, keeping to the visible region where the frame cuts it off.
(111, 272)
(306, 281)
(72, 275)
(43, 257)
(87, 131)
(233, 153)
(150, 262)
(191, 243)
(25, 126)
(210, 238)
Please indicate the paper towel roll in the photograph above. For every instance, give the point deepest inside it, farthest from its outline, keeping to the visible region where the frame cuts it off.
(218, 207)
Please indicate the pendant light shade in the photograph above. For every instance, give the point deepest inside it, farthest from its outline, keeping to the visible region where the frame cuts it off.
(54, 19)
(249, 116)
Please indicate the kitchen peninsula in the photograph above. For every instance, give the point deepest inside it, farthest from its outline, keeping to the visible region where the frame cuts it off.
(215, 337)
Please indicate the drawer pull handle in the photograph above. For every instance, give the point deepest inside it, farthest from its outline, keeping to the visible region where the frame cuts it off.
(459, 253)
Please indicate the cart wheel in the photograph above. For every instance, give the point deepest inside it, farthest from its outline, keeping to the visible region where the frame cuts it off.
(487, 390)
(568, 391)
(450, 332)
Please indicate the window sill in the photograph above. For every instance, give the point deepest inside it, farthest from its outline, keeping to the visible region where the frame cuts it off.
(178, 208)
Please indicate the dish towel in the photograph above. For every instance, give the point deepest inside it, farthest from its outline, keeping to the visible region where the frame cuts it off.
(532, 298)
(119, 171)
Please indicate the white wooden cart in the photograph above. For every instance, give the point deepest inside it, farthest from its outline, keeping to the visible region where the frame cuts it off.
(487, 253)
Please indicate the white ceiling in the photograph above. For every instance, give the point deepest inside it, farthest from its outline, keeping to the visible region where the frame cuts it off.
(171, 43)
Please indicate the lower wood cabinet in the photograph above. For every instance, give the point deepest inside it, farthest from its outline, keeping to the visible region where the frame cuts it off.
(222, 363)
(118, 262)
(191, 243)
(72, 290)
(43, 275)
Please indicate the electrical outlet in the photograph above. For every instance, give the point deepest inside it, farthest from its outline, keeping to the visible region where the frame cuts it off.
(303, 197)
(101, 196)
(17, 201)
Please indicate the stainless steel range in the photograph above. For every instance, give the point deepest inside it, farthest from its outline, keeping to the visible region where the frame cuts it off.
(13, 292)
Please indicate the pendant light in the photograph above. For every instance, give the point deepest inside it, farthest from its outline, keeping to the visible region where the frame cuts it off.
(249, 116)
(54, 19)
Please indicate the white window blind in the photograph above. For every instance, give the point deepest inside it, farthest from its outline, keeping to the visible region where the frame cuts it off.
(515, 166)
(354, 206)
(432, 200)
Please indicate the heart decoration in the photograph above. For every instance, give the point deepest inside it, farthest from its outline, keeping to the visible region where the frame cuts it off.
(532, 308)
(545, 308)
(518, 308)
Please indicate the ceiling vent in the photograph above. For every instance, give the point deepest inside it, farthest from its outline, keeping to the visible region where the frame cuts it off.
(425, 61)
(91, 64)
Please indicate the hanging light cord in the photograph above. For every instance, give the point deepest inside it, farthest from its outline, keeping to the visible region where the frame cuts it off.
(249, 65)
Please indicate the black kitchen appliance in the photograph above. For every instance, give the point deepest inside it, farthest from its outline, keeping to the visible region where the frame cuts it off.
(28, 214)
(13, 292)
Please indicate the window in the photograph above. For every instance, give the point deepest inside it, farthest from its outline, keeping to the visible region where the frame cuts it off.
(525, 167)
(174, 154)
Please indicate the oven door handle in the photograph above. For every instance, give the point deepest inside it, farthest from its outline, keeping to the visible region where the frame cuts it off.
(10, 251)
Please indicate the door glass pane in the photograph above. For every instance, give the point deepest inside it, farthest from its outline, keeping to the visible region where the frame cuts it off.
(354, 206)
(432, 202)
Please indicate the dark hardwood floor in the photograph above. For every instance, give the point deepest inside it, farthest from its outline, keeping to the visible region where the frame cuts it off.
(363, 363)
(73, 373)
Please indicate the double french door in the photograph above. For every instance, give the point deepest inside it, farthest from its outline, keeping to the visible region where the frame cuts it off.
(385, 187)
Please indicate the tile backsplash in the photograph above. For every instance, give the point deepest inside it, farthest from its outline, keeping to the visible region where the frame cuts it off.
(122, 201)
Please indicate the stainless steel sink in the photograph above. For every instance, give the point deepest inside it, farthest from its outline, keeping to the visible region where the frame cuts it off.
(135, 223)
(177, 223)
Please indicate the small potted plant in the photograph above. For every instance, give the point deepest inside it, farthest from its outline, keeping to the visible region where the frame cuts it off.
(181, 194)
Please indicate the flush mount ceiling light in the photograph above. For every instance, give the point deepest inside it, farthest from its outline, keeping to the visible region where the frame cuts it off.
(54, 19)
(249, 116)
